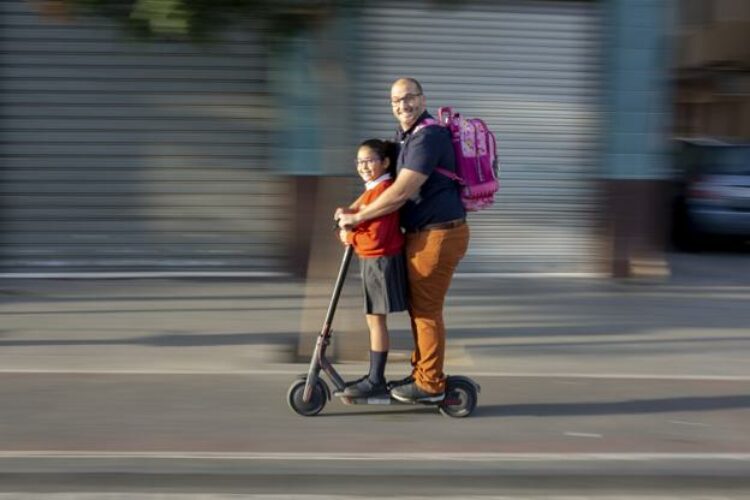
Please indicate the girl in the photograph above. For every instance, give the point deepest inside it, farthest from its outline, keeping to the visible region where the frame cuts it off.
(379, 244)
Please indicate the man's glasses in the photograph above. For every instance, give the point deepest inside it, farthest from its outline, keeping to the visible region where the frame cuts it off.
(407, 98)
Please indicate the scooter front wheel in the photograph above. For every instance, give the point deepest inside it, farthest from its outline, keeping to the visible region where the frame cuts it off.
(317, 401)
(460, 399)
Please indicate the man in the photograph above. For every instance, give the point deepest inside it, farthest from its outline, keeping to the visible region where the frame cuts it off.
(437, 235)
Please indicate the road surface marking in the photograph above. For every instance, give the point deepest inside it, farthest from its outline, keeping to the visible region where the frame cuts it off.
(354, 371)
(583, 435)
(296, 496)
(374, 456)
(695, 424)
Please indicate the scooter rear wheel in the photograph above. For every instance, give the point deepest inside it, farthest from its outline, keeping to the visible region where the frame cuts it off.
(317, 401)
(460, 399)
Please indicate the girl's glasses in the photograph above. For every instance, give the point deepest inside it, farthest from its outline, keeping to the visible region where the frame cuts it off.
(366, 161)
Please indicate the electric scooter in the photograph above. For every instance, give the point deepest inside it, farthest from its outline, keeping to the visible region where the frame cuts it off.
(309, 393)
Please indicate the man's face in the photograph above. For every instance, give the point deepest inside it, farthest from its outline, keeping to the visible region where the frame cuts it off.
(407, 103)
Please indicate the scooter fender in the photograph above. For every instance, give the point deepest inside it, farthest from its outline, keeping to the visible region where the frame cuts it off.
(463, 378)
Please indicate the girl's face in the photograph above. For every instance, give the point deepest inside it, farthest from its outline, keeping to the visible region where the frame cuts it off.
(369, 165)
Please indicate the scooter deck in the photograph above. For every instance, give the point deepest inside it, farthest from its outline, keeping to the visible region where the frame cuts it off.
(380, 399)
(386, 399)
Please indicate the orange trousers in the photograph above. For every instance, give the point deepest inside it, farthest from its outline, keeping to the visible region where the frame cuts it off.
(431, 258)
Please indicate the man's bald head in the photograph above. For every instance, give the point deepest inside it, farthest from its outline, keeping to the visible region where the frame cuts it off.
(407, 81)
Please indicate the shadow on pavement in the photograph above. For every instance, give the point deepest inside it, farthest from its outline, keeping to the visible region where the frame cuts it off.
(662, 405)
(394, 410)
(177, 340)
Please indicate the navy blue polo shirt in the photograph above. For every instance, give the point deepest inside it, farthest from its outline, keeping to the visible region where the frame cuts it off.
(438, 199)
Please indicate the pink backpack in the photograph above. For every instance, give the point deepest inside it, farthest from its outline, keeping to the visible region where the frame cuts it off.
(477, 169)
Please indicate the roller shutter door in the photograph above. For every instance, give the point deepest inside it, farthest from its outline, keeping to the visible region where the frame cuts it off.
(127, 156)
(533, 71)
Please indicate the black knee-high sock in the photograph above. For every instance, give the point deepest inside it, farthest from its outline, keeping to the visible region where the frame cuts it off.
(377, 366)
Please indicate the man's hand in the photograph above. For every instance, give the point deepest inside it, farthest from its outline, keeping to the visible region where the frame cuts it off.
(348, 221)
(342, 211)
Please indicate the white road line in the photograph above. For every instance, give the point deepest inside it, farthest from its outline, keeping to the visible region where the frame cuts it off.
(626, 376)
(303, 369)
(296, 496)
(268, 274)
(583, 434)
(145, 275)
(694, 424)
(530, 275)
(311, 496)
(418, 456)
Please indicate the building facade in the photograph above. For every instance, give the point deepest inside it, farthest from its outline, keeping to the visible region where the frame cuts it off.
(124, 156)
(713, 69)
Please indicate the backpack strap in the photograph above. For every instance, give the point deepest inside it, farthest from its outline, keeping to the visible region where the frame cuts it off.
(427, 122)
(431, 122)
(445, 114)
(451, 175)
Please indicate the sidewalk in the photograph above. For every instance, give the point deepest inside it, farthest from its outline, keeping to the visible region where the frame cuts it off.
(696, 323)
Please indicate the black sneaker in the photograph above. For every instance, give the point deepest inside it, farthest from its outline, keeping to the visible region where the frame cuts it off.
(411, 393)
(354, 382)
(398, 383)
(365, 388)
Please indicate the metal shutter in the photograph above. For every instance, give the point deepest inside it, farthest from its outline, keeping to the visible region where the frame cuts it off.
(127, 156)
(533, 71)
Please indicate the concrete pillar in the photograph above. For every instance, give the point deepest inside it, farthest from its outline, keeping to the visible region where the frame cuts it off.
(319, 255)
(311, 84)
(637, 140)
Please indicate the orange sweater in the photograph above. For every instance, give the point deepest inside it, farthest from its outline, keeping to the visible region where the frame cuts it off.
(377, 237)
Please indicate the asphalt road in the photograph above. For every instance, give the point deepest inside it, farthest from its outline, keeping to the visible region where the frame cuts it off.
(235, 434)
(165, 389)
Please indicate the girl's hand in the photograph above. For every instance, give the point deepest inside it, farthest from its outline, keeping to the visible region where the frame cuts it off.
(342, 236)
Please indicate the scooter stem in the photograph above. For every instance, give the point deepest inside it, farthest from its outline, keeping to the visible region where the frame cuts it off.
(339, 285)
(318, 358)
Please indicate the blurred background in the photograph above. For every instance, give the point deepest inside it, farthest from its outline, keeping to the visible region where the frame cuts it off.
(169, 171)
(190, 138)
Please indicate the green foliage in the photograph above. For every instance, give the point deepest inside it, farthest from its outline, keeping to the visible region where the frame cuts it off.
(202, 19)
